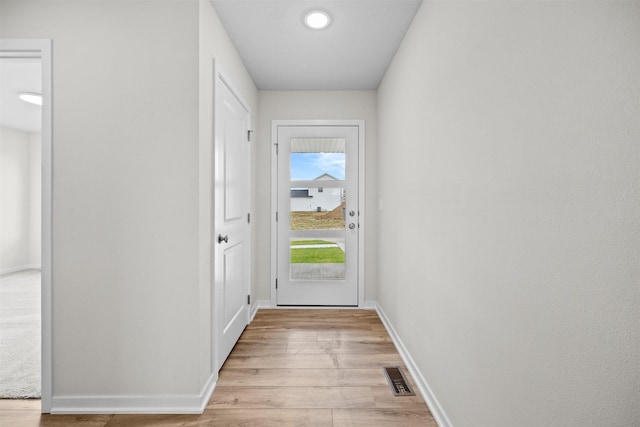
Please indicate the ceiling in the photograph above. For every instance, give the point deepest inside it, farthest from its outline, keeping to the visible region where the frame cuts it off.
(353, 53)
(19, 75)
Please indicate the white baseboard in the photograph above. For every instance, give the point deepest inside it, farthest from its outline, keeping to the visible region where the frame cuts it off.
(196, 404)
(434, 406)
(253, 311)
(187, 404)
(20, 268)
(261, 303)
(266, 304)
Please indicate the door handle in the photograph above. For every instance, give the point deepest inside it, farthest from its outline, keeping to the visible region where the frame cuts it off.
(223, 239)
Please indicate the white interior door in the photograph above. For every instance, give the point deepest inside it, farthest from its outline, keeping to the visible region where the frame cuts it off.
(231, 228)
(317, 215)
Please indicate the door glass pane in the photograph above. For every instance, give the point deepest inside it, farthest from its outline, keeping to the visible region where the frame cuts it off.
(317, 209)
(313, 157)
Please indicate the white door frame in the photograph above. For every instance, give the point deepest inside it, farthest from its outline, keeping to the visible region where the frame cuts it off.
(220, 78)
(42, 49)
(274, 197)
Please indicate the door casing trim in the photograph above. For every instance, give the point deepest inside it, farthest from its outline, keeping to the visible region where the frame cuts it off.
(361, 197)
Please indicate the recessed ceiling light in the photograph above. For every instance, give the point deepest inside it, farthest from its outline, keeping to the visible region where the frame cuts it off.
(31, 98)
(317, 20)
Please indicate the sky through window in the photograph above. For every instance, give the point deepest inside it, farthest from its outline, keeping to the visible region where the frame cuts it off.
(308, 166)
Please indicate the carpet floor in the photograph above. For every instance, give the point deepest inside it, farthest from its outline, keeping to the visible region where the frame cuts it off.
(20, 335)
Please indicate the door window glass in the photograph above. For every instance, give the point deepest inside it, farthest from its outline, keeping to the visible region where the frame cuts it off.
(317, 201)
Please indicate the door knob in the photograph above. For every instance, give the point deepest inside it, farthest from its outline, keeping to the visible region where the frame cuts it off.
(223, 239)
(352, 226)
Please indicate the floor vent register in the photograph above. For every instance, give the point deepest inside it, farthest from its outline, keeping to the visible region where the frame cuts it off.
(397, 382)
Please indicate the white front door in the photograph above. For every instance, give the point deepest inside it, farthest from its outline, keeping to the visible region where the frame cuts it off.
(231, 228)
(317, 215)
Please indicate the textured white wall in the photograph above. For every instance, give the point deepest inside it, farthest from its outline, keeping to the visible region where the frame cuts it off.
(35, 199)
(276, 105)
(125, 188)
(14, 199)
(510, 173)
(20, 176)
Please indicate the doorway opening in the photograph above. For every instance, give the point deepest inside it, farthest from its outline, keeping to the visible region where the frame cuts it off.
(318, 228)
(25, 220)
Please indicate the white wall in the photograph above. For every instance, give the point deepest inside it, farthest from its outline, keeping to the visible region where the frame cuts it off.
(346, 105)
(20, 174)
(125, 189)
(513, 279)
(14, 199)
(133, 121)
(35, 199)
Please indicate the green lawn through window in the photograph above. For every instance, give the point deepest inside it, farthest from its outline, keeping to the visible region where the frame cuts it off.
(311, 242)
(317, 256)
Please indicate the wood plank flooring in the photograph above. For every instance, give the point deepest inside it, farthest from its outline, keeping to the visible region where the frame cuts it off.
(290, 368)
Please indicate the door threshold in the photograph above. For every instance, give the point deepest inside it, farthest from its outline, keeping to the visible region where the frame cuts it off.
(317, 306)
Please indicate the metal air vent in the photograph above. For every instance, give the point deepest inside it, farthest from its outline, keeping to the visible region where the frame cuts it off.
(397, 382)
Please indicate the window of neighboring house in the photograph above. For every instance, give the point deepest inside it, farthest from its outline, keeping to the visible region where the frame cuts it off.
(297, 192)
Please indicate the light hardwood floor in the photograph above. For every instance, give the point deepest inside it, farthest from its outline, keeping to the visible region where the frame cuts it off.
(290, 368)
